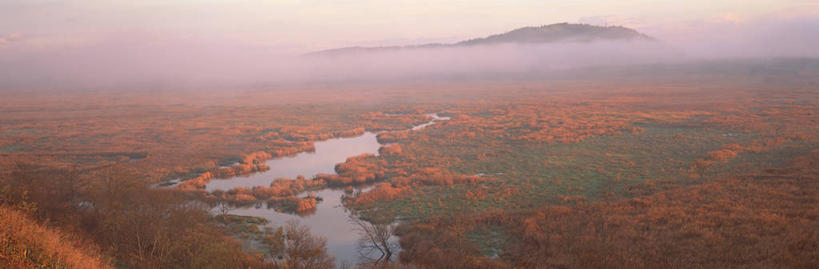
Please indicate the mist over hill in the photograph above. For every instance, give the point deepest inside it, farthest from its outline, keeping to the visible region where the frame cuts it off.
(117, 63)
(552, 33)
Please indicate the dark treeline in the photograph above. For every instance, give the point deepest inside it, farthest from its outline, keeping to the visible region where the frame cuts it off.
(134, 225)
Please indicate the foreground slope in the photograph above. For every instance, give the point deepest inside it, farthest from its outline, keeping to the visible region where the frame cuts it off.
(26, 244)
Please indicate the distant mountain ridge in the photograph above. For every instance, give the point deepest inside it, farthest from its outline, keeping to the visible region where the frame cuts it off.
(552, 33)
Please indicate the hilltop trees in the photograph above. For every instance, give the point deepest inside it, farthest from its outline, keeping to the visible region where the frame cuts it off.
(50, 193)
(138, 226)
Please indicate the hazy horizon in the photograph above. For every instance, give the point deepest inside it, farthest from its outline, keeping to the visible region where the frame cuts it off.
(117, 43)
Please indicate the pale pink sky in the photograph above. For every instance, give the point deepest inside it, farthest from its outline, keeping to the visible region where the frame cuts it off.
(111, 43)
(302, 25)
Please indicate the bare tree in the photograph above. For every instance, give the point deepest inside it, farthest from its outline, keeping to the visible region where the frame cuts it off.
(375, 246)
(304, 250)
(224, 208)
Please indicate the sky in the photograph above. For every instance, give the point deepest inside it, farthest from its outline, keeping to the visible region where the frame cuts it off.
(297, 26)
(116, 42)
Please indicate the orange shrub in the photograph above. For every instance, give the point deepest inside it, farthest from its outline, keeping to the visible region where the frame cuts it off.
(306, 205)
(390, 150)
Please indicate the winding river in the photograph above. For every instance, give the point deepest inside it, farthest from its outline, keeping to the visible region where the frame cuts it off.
(331, 219)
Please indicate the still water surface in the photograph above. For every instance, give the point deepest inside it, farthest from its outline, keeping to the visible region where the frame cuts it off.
(328, 153)
(331, 219)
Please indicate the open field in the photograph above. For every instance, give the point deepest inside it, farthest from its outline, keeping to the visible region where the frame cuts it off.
(621, 167)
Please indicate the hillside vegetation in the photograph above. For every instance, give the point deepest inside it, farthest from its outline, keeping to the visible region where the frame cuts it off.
(24, 243)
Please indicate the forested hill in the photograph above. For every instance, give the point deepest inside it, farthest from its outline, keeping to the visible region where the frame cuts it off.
(553, 33)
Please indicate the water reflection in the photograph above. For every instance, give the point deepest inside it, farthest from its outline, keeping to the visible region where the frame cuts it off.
(349, 239)
(435, 118)
(376, 243)
(331, 223)
(328, 153)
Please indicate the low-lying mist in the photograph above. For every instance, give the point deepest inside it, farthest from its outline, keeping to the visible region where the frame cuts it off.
(121, 63)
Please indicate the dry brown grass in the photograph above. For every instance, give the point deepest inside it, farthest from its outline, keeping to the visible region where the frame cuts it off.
(27, 244)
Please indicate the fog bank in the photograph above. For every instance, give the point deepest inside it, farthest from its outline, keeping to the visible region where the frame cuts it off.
(135, 59)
